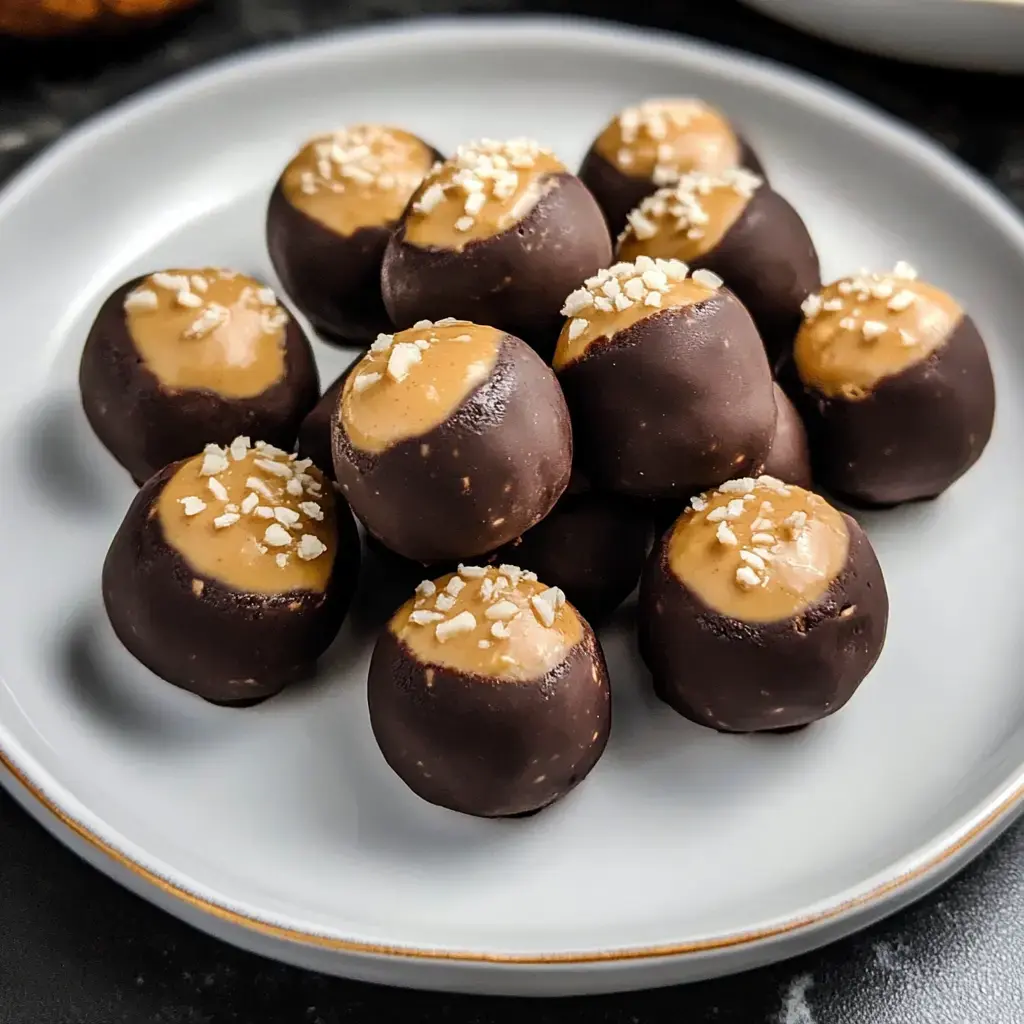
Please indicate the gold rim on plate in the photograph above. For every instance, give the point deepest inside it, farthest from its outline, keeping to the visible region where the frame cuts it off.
(254, 924)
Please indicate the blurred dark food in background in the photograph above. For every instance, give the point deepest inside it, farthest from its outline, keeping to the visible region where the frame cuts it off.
(41, 19)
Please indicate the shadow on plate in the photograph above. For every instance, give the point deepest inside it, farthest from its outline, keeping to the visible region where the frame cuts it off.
(364, 799)
(67, 465)
(105, 684)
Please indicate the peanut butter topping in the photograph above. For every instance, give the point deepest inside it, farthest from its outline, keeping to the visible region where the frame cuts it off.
(863, 329)
(501, 623)
(758, 550)
(664, 139)
(255, 519)
(211, 330)
(359, 177)
(623, 295)
(485, 189)
(411, 382)
(689, 219)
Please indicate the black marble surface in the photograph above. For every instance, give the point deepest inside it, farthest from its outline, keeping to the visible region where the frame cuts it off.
(76, 949)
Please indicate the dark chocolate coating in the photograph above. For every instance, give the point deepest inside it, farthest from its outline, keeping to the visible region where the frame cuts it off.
(510, 439)
(593, 546)
(769, 262)
(790, 458)
(333, 279)
(676, 403)
(488, 747)
(147, 426)
(913, 436)
(516, 281)
(617, 193)
(738, 676)
(315, 433)
(224, 645)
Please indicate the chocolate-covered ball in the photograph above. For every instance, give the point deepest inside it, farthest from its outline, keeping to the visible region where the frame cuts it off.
(185, 357)
(654, 144)
(499, 234)
(450, 440)
(592, 545)
(894, 384)
(232, 572)
(789, 458)
(734, 224)
(329, 220)
(489, 694)
(762, 609)
(666, 379)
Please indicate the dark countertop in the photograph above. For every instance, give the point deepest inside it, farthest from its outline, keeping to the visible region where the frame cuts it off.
(77, 949)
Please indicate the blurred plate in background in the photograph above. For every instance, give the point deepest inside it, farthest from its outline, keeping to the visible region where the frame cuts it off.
(982, 35)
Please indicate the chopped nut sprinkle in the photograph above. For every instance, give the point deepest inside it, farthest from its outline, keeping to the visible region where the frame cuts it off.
(747, 578)
(479, 172)
(219, 491)
(725, 535)
(644, 281)
(277, 536)
(310, 547)
(424, 617)
(679, 208)
(214, 461)
(367, 155)
(404, 356)
(502, 610)
(193, 505)
(279, 469)
(365, 380)
(141, 299)
(657, 120)
(464, 622)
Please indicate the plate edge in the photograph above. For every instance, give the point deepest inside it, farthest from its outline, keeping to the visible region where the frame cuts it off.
(994, 813)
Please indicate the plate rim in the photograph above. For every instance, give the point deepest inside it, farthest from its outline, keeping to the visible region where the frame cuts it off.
(906, 877)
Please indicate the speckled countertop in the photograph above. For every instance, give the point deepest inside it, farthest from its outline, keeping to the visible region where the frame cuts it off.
(76, 949)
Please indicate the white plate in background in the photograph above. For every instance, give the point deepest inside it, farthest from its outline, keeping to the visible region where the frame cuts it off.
(978, 35)
(280, 828)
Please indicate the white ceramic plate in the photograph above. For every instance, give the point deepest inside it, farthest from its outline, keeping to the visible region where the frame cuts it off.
(978, 35)
(280, 828)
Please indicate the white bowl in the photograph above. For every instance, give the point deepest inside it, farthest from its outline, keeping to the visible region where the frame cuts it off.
(981, 35)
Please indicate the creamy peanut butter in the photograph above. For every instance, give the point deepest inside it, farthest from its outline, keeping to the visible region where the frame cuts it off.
(664, 139)
(255, 519)
(690, 219)
(501, 623)
(411, 382)
(359, 177)
(485, 189)
(211, 330)
(623, 295)
(758, 550)
(863, 329)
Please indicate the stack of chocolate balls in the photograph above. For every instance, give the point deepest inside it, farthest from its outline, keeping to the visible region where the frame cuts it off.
(555, 367)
